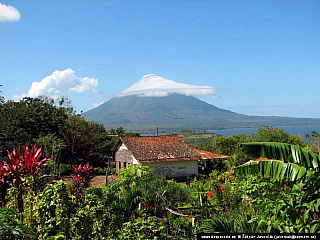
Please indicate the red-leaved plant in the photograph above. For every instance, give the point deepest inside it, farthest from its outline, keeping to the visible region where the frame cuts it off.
(32, 163)
(13, 172)
(82, 175)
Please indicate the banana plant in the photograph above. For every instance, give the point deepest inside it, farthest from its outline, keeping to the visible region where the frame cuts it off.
(283, 161)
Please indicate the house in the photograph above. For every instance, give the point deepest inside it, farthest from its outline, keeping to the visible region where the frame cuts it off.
(166, 155)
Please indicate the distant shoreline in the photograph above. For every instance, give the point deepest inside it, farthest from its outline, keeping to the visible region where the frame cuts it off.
(301, 130)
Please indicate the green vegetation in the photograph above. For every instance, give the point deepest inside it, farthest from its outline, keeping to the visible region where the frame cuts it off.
(197, 138)
(264, 196)
(143, 206)
(66, 138)
(314, 141)
(230, 145)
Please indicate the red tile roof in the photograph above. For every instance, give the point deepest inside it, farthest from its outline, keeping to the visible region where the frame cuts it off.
(209, 155)
(159, 148)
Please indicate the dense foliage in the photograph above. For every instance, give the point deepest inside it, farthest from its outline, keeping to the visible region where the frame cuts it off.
(140, 205)
(229, 145)
(66, 138)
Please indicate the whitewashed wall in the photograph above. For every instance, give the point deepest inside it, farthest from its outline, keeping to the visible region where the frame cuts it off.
(122, 156)
(174, 169)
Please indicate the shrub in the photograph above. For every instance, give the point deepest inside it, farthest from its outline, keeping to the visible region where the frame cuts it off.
(99, 171)
(285, 206)
(21, 165)
(65, 169)
(53, 211)
(143, 229)
(82, 176)
(135, 173)
(11, 229)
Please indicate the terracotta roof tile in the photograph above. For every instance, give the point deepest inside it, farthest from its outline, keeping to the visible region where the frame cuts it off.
(209, 155)
(159, 148)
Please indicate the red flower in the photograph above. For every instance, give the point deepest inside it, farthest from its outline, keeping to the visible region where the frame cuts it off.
(221, 186)
(210, 194)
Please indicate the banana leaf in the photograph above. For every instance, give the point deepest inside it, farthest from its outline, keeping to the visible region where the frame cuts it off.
(286, 161)
(272, 169)
(282, 151)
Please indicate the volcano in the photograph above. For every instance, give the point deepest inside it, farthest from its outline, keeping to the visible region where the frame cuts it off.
(157, 102)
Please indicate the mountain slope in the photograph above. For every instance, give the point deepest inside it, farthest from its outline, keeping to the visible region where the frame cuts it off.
(176, 112)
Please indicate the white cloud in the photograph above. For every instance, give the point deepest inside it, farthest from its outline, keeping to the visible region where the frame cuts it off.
(8, 14)
(86, 85)
(61, 81)
(156, 86)
(97, 104)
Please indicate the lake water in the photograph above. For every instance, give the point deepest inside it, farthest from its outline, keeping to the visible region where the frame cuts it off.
(298, 130)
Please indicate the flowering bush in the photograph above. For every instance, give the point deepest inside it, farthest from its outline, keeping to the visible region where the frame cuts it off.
(285, 206)
(82, 175)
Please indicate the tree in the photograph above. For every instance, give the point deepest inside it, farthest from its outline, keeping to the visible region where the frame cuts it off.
(86, 142)
(52, 148)
(67, 137)
(29, 119)
(120, 131)
(271, 134)
(2, 100)
(314, 141)
(229, 146)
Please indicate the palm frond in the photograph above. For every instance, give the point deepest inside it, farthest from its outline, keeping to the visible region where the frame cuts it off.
(286, 160)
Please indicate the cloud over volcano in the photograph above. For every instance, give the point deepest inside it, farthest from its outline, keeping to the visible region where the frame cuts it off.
(152, 85)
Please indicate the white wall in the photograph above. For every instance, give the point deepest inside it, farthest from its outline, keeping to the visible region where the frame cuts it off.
(175, 169)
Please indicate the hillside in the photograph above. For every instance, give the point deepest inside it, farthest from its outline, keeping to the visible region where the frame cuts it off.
(176, 112)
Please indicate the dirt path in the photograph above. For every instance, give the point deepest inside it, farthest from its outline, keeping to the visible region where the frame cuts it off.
(99, 181)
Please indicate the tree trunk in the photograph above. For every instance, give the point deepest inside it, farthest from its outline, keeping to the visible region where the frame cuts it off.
(20, 199)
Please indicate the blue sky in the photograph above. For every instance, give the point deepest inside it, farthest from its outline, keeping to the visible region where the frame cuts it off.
(260, 57)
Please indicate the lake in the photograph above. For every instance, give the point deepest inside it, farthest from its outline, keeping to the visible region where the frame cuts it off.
(298, 130)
